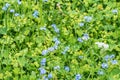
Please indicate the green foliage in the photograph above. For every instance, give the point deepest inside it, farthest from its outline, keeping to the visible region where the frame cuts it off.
(86, 30)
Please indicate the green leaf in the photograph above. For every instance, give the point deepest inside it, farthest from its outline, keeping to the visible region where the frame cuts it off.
(115, 71)
(3, 30)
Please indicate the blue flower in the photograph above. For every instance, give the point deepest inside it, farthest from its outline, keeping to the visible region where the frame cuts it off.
(100, 72)
(19, 2)
(107, 57)
(104, 65)
(78, 77)
(80, 40)
(6, 6)
(49, 75)
(55, 39)
(80, 57)
(57, 42)
(87, 18)
(44, 52)
(55, 46)
(17, 14)
(45, 78)
(114, 62)
(56, 30)
(53, 25)
(85, 37)
(12, 10)
(35, 14)
(42, 70)
(67, 68)
(45, 0)
(43, 61)
(81, 24)
(112, 56)
(66, 49)
(51, 49)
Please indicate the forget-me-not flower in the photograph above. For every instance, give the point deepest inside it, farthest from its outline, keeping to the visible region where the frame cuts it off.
(45, 78)
(45, 0)
(81, 24)
(115, 11)
(43, 62)
(85, 37)
(80, 57)
(42, 70)
(67, 68)
(114, 62)
(51, 49)
(100, 72)
(104, 65)
(78, 77)
(55, 46)
(35, 14)
(107, 57)
(66, 49)
(53, 25)
(12, 10)
(87, 18)
(43, 28)
(80, 40)
(49, 75)
(55, 28)
(57, 68)
(19, 2)
(112, 56)
(16, 14)
(6, 6)
(44, 52)
(102, 45)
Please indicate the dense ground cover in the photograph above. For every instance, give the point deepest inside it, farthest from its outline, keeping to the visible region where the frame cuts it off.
(59, 40)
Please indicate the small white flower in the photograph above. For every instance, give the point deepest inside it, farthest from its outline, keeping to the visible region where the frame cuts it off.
(102, 45)
(115, 11)
(106, 46)
(43, 28)
(57, 68)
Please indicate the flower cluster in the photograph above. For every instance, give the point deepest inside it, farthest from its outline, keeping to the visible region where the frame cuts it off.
(50, 49)
(85, 37)
(115, 11)
(87, 18)
(55, 28)
(35, 14)
(66, 49)
(6, 6)
(102, 45)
